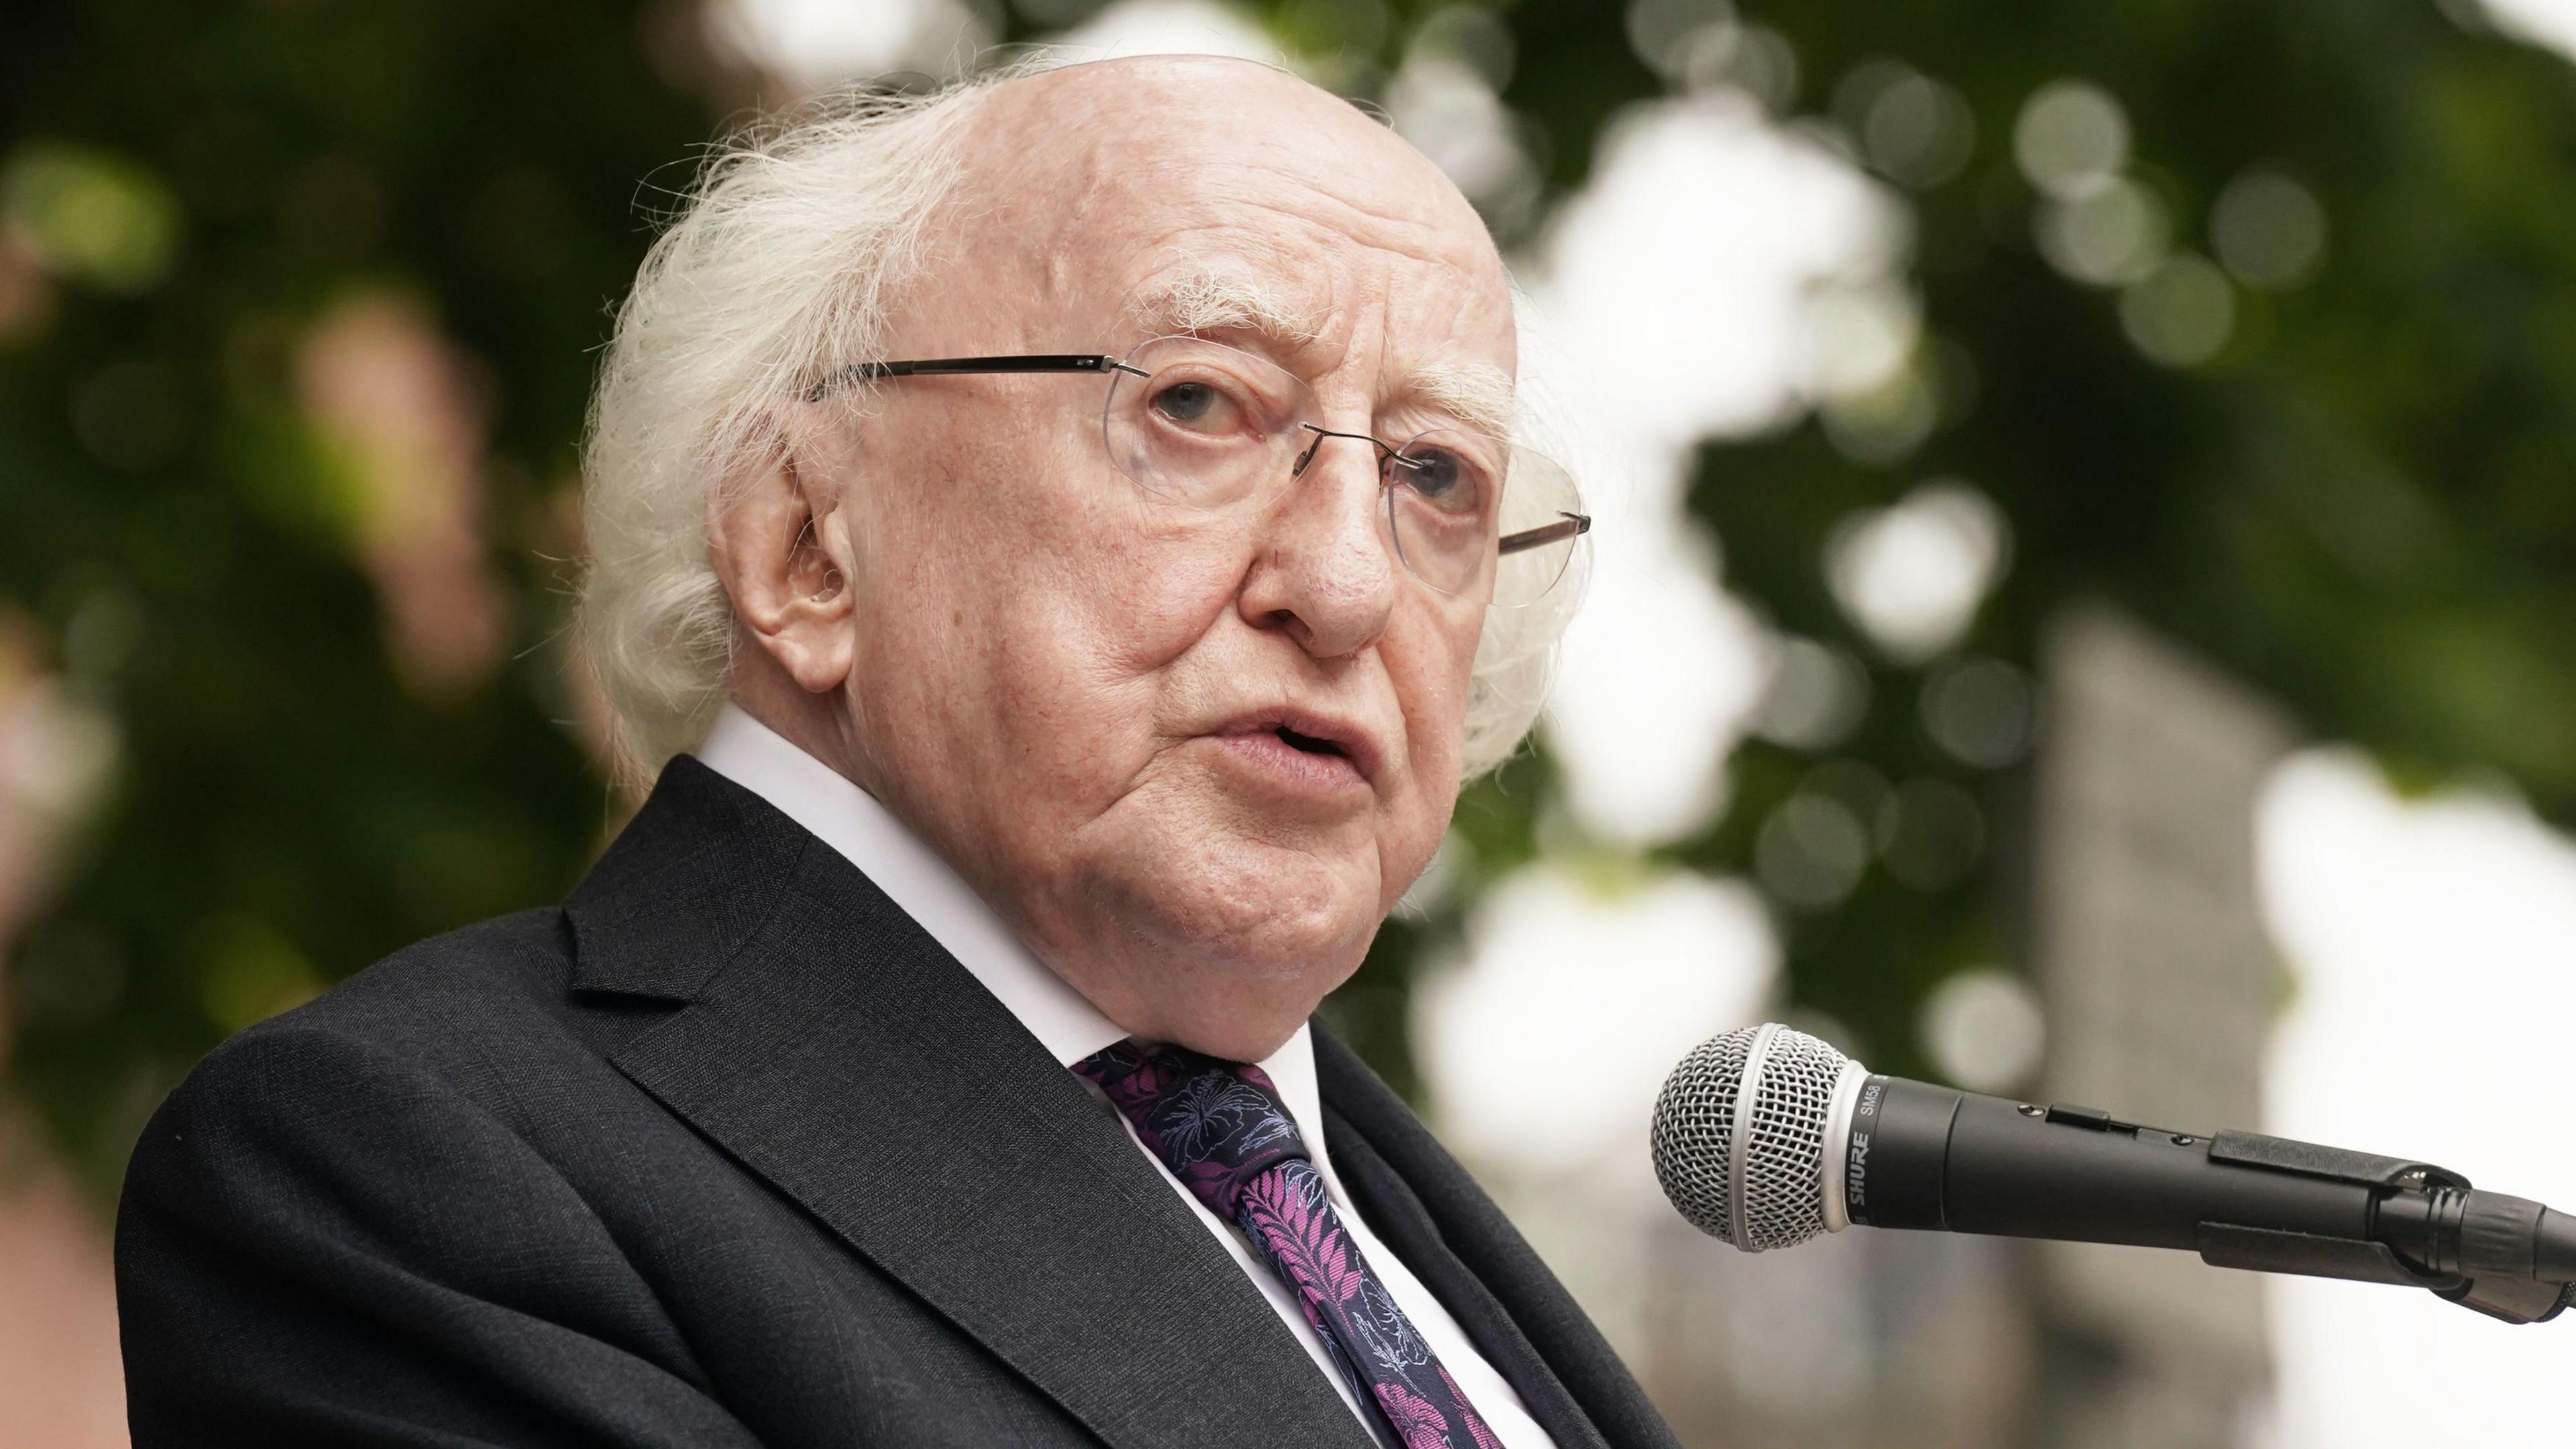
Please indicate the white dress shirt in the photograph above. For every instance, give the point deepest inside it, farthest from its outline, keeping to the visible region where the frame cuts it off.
(851, 821)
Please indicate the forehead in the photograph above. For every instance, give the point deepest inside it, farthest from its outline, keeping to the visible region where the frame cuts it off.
(1208, 195)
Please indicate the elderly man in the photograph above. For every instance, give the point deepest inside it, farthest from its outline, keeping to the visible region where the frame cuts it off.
(1060, 546)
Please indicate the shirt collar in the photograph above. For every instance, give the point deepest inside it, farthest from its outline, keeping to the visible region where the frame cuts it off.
(929, 890)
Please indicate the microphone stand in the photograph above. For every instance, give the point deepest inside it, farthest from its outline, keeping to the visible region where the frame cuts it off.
(2431, 1211)
(1934, 1157)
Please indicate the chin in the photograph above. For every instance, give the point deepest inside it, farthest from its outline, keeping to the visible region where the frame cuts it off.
(1189, 917)
(1226, 943)
(1265, 911)
(1226, 950)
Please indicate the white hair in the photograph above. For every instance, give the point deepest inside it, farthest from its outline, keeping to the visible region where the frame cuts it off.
(783, 264)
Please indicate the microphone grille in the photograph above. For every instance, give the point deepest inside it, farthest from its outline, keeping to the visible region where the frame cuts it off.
(1695, 1132)
(1740, 1136)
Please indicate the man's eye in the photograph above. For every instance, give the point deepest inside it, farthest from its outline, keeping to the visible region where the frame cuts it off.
(1194, 405)
(1442, 479)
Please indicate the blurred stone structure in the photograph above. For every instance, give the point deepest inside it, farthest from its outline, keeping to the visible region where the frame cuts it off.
(2158, 981)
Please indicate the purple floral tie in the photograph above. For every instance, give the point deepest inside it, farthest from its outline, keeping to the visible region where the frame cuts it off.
(1223, 1131)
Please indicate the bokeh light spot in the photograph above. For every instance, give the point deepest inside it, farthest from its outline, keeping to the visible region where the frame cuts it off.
(2107, 235)
(92, 216)
(1979, 711)
(2268, 230)
(1811, 851)
(1816, 697)
(1912, 575)
(2182, 313)
(1983, 1030)
(2071, 137)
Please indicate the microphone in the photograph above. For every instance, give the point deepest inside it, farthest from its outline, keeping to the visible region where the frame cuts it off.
(1767, 1137)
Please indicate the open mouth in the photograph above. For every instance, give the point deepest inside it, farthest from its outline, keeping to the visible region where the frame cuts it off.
(1309, 744)
(1327, 753)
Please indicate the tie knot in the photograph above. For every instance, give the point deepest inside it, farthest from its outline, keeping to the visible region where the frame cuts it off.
(1216, 1124)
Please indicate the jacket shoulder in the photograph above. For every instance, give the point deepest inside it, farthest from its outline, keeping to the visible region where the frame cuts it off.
(356, 1219)
(455, 1015)
(509, 965)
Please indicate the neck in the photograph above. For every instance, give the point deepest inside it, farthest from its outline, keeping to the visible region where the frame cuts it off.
(814, 723)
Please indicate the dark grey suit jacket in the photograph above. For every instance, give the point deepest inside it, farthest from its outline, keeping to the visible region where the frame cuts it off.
(727, 1151)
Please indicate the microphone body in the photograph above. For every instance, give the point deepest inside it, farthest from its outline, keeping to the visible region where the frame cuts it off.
(1767, 1137)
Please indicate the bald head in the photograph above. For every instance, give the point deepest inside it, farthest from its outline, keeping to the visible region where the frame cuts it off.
(1105, 203)
(1067, 145)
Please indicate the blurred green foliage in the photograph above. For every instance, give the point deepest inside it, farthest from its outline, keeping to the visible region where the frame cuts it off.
(2365, 500)
(202, 185)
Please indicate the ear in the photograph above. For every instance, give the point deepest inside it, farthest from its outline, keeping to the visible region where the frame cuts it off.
(781, 545)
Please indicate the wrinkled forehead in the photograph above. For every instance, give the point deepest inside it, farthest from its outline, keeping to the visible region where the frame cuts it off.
(1126, 200)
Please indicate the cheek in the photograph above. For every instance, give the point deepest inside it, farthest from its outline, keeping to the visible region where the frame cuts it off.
(1039, 597)
(1146, 590)
(1431, 663)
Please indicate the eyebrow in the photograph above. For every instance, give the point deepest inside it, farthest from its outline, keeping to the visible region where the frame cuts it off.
(1208, 300)
(1211, 300)
(1475, 393)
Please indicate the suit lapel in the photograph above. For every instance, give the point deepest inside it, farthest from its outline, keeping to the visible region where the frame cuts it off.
(834, 1049)
(1468, 1254)
(1393, 1209)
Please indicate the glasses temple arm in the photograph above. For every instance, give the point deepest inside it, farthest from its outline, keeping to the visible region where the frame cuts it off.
(956, 366)
(1568, 525)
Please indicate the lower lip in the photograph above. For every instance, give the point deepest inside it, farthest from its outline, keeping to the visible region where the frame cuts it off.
(1284, 764)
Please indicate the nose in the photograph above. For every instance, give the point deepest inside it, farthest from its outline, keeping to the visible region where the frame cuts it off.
(1325, 572)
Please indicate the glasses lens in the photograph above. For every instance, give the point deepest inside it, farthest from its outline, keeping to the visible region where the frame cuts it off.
(1206, 425)
(1480, 519)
